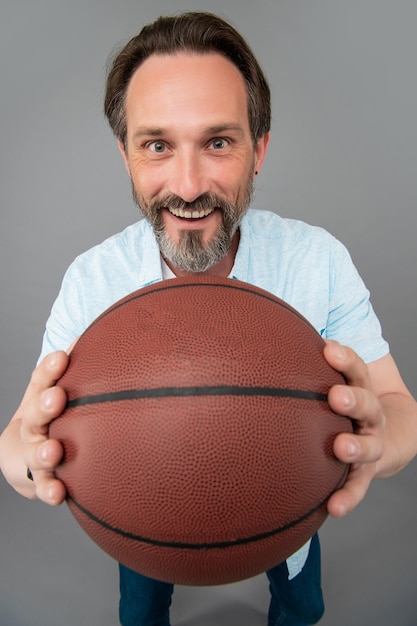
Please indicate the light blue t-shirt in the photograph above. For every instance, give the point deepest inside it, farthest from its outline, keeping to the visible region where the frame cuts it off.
(302, 264)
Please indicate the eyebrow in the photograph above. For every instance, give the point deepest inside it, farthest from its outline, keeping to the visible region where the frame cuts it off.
(221, 128)
(155, 131)
(148, 131)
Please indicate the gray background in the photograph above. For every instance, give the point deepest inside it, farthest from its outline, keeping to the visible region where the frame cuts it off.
(343, 155)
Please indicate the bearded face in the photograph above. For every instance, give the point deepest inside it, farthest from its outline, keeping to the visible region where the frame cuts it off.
(191, 252)
(190, 156)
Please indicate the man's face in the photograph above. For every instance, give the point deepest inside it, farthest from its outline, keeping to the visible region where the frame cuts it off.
(190, 154)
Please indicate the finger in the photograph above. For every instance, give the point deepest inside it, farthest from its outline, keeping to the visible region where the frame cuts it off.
(43, 456)
(48, 488)
(43, 400)
(39, 411)
(343, 501)
(49, 370)
(358, 448)
(357, 403)
(348, 363)
(42, 459)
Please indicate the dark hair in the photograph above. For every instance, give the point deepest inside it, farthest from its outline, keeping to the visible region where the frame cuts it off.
(197, 32)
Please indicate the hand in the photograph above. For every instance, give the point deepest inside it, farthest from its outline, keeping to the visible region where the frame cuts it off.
(42, 402)
(365, 446)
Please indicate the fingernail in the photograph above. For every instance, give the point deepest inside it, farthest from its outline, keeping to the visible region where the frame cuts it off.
(47, 400)
(50, 494)
(348, 398)
(340, 352)
(343, 510)
(52, 360)
(352, 448)
(42, 453)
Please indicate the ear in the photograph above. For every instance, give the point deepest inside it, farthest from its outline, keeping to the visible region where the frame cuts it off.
(124, 156)
(260, 151)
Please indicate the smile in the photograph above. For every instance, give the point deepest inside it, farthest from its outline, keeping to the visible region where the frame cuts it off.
(191, 213)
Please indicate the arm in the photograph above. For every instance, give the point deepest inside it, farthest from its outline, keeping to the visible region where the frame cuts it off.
(385, 417)
(24, 443)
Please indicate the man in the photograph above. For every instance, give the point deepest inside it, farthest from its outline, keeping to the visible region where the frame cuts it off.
(190, 108)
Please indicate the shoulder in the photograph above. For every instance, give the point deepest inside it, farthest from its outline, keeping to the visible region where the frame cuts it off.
(271, 237)
(287, 256)
(133, 240)
(127, 260)
(270, 226)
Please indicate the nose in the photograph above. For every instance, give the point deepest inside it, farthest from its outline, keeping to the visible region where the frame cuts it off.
(189, 177)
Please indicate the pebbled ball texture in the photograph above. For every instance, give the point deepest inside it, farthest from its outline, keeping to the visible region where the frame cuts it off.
(198, 438)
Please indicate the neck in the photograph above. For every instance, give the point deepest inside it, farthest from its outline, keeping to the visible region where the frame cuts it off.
(221, 269)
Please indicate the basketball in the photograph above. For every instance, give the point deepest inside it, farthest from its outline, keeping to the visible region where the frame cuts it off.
(197, 434)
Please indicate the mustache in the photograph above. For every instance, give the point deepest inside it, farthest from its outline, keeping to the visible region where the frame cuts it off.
(205, 201)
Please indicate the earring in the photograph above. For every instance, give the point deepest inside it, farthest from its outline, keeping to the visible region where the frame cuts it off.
(256, 172)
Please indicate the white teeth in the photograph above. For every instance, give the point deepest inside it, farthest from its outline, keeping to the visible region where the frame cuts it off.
(191, 214)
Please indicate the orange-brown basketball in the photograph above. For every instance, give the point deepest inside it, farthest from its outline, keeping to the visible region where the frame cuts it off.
(198, 437)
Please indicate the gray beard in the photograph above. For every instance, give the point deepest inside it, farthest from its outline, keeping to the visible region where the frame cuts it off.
(191, 254)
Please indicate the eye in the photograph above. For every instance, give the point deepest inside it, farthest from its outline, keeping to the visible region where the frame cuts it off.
(157, 146)
(219, 143)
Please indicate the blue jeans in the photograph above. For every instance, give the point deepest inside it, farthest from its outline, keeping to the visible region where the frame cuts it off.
(296, 602)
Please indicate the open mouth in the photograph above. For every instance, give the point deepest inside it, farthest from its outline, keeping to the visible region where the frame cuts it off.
(191, 213)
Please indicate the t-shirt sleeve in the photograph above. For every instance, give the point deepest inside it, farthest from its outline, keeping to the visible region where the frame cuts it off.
(351, 319)
(65, 322)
